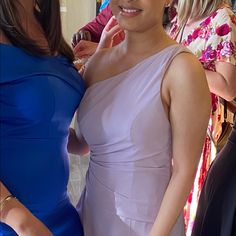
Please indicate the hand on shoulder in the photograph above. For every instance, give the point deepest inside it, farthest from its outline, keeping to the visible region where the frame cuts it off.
(95, 66)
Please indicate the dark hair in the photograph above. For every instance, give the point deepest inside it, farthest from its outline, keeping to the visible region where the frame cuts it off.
(47, 13)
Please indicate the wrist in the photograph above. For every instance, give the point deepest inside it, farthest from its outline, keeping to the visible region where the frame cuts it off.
(5, 200)
(15, 215)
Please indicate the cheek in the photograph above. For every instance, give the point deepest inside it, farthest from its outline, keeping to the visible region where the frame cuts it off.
(154, 17)
(114, 9)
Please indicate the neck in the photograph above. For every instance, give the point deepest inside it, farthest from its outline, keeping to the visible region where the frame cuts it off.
(141, 43)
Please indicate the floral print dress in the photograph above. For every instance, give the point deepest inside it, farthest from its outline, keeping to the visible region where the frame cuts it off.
(214, 39)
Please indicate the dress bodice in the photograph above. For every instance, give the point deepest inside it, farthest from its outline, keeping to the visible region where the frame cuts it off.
(38, 98)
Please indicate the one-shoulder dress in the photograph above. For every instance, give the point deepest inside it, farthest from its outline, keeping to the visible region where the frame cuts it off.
(129, 135)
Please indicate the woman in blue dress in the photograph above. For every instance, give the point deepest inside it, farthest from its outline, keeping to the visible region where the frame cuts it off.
(39, 92)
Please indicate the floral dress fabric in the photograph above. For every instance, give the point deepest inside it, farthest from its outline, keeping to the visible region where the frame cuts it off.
(213, 40)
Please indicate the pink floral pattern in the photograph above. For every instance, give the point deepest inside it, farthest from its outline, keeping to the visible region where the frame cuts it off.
(213, 40)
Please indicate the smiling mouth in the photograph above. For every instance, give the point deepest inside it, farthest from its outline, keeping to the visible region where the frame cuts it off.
(129, 10)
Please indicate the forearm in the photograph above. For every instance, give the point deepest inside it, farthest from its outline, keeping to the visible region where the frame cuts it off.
(173, 202)
(75, 145)
(4, 193)
(219, 85)
(19, 218)
(12, 212)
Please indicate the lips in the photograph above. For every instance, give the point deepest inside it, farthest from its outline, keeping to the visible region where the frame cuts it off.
(129, 11)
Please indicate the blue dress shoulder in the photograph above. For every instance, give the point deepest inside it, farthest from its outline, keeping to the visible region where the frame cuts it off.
(38, 97)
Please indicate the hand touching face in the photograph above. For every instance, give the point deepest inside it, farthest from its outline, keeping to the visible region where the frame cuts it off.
(138, 15)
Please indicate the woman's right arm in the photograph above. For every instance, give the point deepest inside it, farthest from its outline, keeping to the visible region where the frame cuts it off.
(18, 217)
(76, 145)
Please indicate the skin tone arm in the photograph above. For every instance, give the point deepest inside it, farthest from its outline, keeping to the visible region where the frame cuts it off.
(223, 81)
(187, 101)
(76, 145)
(20, 218)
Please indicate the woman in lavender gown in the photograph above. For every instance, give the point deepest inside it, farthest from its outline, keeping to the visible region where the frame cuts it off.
(138, 117)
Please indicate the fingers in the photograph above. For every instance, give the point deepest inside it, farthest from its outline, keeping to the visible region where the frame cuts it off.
(114, 31)
(109, 34)
(84, 49)
(75, 39)
(111, 23)
(111, 29)
(118, 38)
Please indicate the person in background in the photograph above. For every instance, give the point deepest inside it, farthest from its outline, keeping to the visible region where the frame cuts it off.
(234, 6)
(86, 39)
(40, 90)
(217, 202)
(104, 4)
(136, 118)
(207, 28)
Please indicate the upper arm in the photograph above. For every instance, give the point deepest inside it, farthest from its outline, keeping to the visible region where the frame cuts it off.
(189, 108)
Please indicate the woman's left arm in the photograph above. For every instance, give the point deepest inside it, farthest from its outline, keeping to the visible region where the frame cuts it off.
(223, 81)
(188, 102)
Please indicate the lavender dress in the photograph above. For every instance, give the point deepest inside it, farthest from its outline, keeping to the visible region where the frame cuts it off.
(124, 122)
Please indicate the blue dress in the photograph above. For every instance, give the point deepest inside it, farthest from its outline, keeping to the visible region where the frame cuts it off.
(38, 97)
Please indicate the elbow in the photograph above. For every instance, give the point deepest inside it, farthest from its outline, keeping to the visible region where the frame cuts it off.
(186, 172)
(75, 145)
(79, 149)
(84, 151)
(230, 94)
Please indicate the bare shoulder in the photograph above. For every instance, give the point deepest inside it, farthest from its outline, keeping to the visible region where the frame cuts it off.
(186, 71)
(185, 82)
(185, 90)
(96, 65)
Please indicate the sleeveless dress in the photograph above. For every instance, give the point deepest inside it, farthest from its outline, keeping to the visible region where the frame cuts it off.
(124, 122)
(216, 214)
(38, 97)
